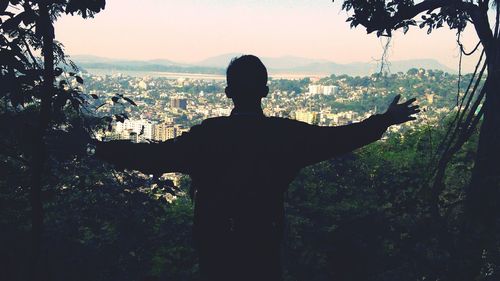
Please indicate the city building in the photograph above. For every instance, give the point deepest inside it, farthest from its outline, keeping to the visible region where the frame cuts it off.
(322, 89)
(180, 103)
(164, 131)
(307, 116)
(143, 128)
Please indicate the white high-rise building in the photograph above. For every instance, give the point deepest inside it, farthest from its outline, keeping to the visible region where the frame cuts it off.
(323, 90)
(315, 89)
(330, 90)
(143, 128)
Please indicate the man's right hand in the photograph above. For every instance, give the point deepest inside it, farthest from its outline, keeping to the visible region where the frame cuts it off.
(401, 113)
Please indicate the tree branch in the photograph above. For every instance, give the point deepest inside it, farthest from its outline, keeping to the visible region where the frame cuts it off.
(406, 14)
(477, 14)
(28, 49)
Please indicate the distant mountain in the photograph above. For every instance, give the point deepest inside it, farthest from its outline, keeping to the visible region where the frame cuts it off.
(299, 65)
(166, 62)
(276, 65)
(158, 65)
(404, 65)
(290, 62)
(220, 61)
(363, 69)
(90, 59)
(96, 59)
(285, 62)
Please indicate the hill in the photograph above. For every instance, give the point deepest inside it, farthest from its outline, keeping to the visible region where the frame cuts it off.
(281, 65)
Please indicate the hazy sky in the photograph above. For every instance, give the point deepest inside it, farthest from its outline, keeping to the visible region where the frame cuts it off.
(191, 30)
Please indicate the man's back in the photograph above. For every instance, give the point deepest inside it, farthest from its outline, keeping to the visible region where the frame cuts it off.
(244, 164)
(241, 165)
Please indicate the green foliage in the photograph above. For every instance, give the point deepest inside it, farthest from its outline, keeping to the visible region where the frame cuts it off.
(365, 216)
(196, 88)
(290, 86)
(100, 224)
(377, 89)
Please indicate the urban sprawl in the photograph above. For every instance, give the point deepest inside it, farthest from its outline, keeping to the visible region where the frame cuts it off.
(166, 107)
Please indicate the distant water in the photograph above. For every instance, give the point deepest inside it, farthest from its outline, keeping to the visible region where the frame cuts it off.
(168, 75)
(178, 75)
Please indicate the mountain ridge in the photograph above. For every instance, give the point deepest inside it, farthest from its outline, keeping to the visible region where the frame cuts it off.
(283, 64)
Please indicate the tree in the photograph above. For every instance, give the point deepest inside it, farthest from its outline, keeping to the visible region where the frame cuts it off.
(480, 102)
(363, 216)
(27, 26)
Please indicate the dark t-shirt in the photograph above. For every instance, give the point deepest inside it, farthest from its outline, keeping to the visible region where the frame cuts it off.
(240, 166)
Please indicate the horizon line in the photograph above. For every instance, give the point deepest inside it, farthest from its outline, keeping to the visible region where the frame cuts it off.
(269, 57)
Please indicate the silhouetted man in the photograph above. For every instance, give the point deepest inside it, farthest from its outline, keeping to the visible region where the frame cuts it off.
(241, 165)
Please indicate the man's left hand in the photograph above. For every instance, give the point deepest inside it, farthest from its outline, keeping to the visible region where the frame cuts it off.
(403, 112)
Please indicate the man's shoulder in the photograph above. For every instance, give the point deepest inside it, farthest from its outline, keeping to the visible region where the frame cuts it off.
(208, 125)
(214, 121)
(217, 121)
(283, 120)
(288, 123)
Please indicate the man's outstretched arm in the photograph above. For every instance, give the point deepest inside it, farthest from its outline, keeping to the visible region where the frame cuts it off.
(321, 143)
(173, 155)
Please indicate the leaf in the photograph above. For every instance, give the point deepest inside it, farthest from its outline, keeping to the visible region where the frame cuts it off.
(79, 79)
(130, 101)
(85, 8)
(100, 106)
(60, 99)
(8, 57)
(119, 118)
(29, 17)
(58, 71)
(75, 103)
(12, 23)
(3, 5)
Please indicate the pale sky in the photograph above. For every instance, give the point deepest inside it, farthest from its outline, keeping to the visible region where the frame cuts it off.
(192, 30)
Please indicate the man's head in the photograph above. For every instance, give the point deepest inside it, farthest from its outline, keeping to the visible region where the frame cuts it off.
(246, 80)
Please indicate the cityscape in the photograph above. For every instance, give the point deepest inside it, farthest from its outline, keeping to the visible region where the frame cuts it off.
(158, 108)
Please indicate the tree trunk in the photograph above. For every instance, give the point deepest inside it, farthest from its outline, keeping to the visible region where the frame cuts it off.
(482, 212)
(39, 152)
